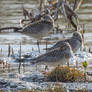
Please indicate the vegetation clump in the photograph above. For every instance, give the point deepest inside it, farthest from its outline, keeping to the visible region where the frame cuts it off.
(65, 74)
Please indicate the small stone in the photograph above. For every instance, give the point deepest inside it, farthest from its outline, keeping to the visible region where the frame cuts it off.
(13, 85)
(12, 76)
(2, 82)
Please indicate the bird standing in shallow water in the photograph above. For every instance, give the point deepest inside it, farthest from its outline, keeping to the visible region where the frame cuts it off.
(75, 42)
(58, 56)
(39, 28)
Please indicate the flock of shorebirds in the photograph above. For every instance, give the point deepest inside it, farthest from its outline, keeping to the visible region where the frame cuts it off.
(39, 26)
(61, 52)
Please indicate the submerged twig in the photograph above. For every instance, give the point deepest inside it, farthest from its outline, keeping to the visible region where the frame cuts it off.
(12, 51)
(9, 50)
(7, 28)
(19, 58)
(38, 46)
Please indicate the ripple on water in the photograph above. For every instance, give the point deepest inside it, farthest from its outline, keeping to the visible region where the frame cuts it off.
(11, 13)
(80, 57)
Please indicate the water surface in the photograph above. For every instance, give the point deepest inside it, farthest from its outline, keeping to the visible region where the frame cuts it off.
(11, 13)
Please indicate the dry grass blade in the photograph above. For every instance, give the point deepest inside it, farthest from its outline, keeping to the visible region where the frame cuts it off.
(78, 5)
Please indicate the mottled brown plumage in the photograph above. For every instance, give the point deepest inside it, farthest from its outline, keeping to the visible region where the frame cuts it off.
(39, 28)
(56, 56)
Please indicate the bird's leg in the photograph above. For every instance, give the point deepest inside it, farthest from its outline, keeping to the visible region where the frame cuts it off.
(76, 64)
(89, 50)
(19, 66)
(46, 67)
(67, 57)
(23, 67)
(3, 64)
(38, 46)
(9, 67)
(67, 64)
(56, 74)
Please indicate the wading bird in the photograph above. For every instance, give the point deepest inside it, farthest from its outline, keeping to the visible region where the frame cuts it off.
(58, 56)
(75, 42)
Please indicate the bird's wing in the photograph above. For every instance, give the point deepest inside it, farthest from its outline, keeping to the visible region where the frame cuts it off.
(34, 27)
(49, 55)
(58, 44)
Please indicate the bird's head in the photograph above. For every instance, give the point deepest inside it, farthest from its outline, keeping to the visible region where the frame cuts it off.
(78, 36)
(48, 18)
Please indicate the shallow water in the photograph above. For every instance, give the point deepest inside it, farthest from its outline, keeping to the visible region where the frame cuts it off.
(11, 13)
